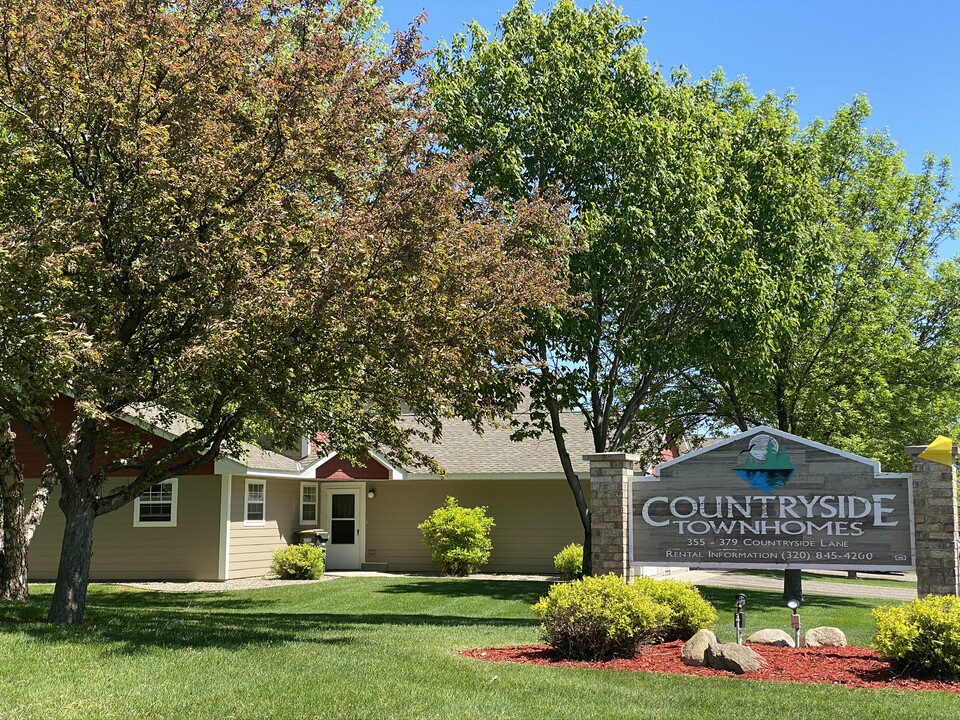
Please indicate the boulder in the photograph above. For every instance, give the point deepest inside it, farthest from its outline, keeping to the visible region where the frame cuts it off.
(823, 637)
(777, 638)
(738, 659)
(711, 657)
(694, 649)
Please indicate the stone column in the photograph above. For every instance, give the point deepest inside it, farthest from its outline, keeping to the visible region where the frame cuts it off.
(610, 477)
(935, 525)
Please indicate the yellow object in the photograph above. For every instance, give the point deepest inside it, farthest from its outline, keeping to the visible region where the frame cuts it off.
(939, 451)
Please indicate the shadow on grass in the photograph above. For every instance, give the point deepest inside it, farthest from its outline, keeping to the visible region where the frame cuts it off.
(525, 591)
(724, 599)
(132, 623)
(890, 581)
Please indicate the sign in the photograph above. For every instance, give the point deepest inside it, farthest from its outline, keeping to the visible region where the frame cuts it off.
(769, 499)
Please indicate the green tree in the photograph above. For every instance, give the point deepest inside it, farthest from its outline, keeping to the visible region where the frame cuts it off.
(567, 99)
(238, 212)
(850, 333)
(857, 344)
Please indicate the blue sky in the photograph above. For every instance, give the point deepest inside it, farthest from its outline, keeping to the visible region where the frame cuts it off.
(903, 56)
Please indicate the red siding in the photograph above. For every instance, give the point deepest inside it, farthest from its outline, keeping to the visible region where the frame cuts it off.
(339, 469)
(34, 462)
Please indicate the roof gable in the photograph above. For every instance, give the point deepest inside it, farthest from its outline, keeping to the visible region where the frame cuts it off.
(723, 447)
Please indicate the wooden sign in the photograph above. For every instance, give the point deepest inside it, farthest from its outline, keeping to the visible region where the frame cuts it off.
(769, 499)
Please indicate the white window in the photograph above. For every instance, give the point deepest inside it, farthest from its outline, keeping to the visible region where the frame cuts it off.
(157, 506)
(255, 503)
(308, 503)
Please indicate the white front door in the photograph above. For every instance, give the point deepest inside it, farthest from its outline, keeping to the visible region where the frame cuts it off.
(342, 506)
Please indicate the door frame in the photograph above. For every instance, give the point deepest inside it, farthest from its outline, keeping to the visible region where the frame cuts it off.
(361, 512)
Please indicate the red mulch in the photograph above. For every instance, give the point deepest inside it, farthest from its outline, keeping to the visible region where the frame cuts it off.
(851, 666)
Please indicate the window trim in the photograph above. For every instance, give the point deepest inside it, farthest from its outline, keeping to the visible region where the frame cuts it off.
(246, 504)
(316, 503)
(172, 522)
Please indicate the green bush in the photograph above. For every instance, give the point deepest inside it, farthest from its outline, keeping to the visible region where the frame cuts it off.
(459, 537)
(921, 638)
(598, 618)
(569, 562)
(299, 562)
(689, 611)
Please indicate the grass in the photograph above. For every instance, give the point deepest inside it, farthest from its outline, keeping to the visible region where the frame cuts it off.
(824, 577)
(383, 648)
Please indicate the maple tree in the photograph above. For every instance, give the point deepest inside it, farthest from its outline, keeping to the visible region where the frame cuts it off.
(239, 211)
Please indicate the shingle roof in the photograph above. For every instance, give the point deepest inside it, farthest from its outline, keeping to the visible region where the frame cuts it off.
(176, 424)
(462, 452)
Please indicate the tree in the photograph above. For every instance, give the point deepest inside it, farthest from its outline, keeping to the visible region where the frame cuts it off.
(567, 99)
(857, 346)
(37, 355)
(238, 213)
(851, 336)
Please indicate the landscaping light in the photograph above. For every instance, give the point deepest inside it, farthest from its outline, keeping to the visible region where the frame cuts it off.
(738, 617)
(795, 620)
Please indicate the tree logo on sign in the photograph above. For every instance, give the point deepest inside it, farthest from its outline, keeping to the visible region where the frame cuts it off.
(766, 464)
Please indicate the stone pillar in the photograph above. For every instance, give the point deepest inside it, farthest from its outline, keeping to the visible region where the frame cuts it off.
(610, 477)
(935, 525)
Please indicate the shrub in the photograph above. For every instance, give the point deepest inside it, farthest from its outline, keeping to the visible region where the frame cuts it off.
(299, 562)
(459, 537)
(598, 618)
(921, 638)
(689, 611)
(569, 562)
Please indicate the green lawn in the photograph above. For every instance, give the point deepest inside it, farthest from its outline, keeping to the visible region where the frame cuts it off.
(382, 648)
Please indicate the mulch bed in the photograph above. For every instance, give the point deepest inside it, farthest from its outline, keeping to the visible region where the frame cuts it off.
(851, 666)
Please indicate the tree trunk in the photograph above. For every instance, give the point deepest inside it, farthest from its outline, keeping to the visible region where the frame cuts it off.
(13, 573)
(70, 594)
(13, 567)
(573, 481)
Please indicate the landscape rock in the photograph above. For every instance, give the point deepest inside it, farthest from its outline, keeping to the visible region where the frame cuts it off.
(694, 649)
(769, 636)
(823, 637)
(711, 657)
(734, 658)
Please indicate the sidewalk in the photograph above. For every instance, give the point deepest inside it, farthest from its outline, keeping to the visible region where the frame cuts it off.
(720, 578)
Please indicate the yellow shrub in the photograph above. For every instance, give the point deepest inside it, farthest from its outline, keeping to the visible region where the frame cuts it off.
(921, 638)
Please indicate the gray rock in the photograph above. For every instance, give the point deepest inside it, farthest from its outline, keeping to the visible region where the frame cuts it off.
(694, 649)
(711, 657)
(769, 636)
(735, 658)
(823, 637)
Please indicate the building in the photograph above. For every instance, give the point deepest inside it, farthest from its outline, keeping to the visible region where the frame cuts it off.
(224, 520)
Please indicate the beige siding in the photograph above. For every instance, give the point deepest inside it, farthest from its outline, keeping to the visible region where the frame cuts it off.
(534, 520)
(251, 547)
(124, 552)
